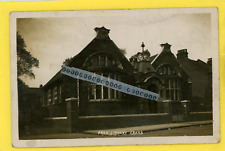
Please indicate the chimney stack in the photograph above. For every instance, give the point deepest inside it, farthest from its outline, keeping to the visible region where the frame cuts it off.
(209, 62)
(182, 54)
(166, 47)
(102, 33)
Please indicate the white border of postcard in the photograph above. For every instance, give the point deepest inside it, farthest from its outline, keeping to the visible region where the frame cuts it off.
(215, 138)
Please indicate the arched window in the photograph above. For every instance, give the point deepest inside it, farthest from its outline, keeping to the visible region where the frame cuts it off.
(96, 63)
(172, 82)
(102, 60)
(166, 70)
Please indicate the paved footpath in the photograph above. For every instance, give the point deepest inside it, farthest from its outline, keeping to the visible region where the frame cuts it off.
(116, 132)
(146, 128)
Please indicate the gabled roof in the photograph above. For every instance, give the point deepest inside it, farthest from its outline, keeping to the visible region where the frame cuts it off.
(167, 57)
(57, 76)
(106, 46)
(97, 45)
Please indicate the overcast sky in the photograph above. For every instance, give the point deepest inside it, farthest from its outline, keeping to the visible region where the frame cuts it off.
(52, 40)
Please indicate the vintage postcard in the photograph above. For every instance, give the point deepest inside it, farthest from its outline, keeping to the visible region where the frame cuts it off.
(115, 77)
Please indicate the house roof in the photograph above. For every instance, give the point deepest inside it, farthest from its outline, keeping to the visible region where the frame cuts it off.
(57, 76)
(166, 57)
(153, 57)
(97, 45)
(191, 66)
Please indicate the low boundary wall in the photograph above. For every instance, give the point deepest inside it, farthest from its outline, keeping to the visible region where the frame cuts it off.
(200, 116)
(117, 121)
(60, 124)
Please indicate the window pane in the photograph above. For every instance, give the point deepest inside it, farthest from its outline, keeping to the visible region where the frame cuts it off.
(49, 97)
(45, 100)
(166, 70)
(109, 62)
(117, 94)
(167, 83)
(98, 92)
(172, 94)
(105, 92)
(74, 88)
(94, 61)
(178, 84)
(176, 97)
(55, 95)
(111, 76)
(113, 63)
(175, 83)
(102, 60)
(119, 77)
(92, 91)
(169, 70)
(59, 93)
(115, 76)
(172, 83)
(112, 93)
(167, 94)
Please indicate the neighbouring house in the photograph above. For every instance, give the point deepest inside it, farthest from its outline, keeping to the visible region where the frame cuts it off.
(30, 107)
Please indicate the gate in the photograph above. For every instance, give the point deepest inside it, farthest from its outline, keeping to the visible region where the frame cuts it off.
(180, 111)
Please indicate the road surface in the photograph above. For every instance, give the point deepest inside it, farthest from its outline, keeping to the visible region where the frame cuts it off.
(200, 130)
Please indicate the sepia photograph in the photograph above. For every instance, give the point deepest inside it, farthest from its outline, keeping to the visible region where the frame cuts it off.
(172, 53)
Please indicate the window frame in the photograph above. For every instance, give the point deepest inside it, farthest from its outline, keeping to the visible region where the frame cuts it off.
(172, 81)
(117, 95)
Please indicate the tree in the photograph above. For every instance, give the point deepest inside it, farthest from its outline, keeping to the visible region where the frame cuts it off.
(25, 61)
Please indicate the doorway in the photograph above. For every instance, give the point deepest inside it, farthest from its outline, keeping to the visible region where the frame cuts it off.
(152, 105)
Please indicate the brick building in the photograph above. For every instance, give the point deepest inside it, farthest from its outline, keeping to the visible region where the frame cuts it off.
(175, 78)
